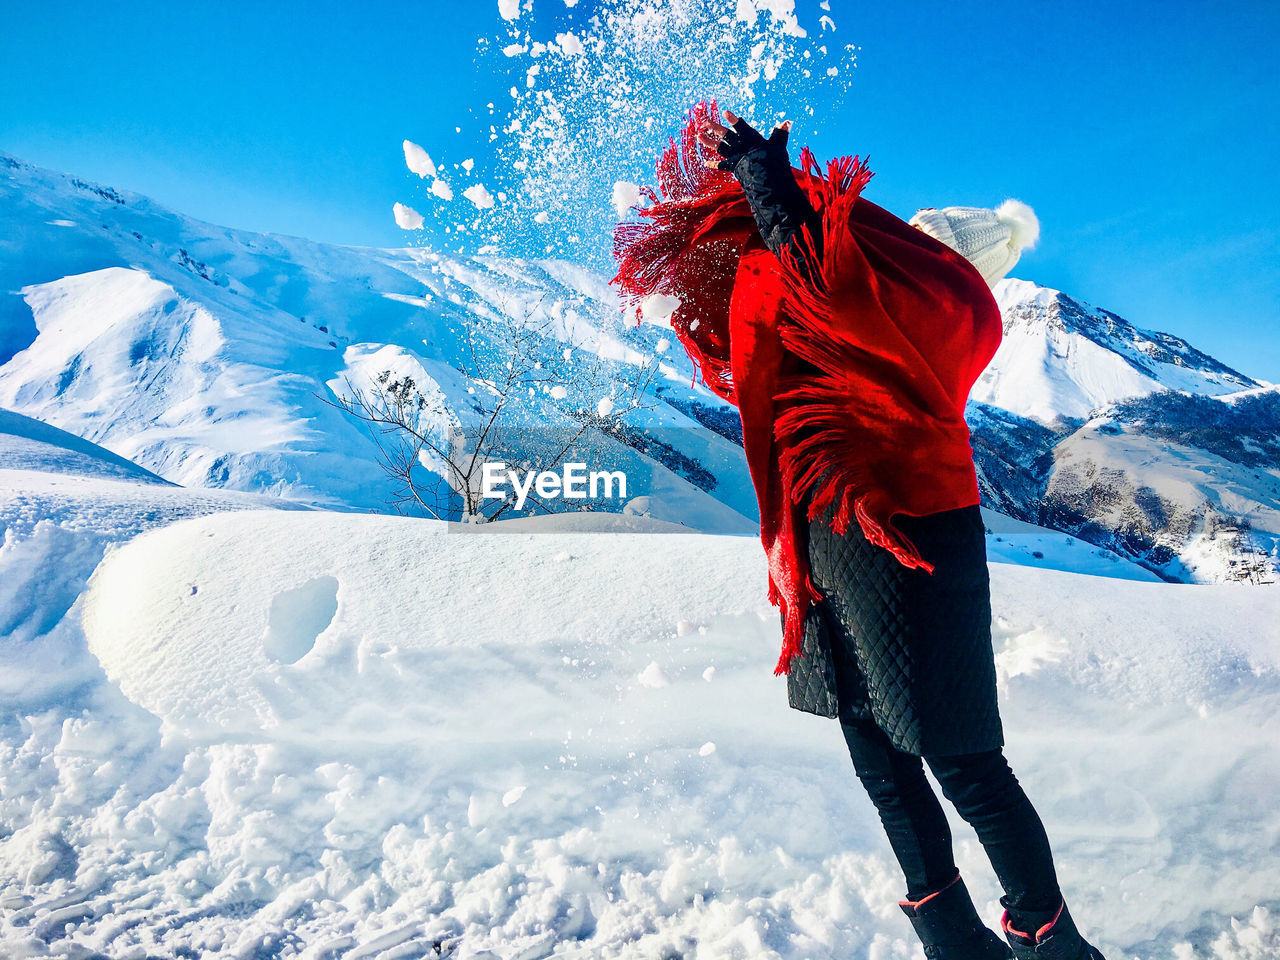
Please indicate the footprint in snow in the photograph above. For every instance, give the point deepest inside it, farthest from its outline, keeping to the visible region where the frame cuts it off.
(298, 617)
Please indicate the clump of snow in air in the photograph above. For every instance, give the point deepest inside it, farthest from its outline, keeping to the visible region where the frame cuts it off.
(605, 406)
(657, 309)
(442, 190)
(570, 44)
(407, 218)
(509, 9)
(707, 749)
(653, 677)
(512, 795)
(417, 160)
(625, 196)
(478, 195)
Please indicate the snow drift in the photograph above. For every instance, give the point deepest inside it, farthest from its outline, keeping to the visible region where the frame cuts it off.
(375, 737)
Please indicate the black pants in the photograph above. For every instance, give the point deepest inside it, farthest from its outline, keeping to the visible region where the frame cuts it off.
(985, 793)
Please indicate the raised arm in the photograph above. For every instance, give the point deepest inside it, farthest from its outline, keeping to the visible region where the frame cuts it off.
(778, 203)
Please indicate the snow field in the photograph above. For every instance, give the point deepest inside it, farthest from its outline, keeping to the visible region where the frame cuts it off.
(360, 736)
(64, 502)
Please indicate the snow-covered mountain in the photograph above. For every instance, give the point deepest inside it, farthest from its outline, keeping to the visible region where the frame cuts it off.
(211, 356)
(1130, 439)
(1061, 359)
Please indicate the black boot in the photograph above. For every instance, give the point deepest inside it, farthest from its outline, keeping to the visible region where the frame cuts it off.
(1045, 935)
(948, 926)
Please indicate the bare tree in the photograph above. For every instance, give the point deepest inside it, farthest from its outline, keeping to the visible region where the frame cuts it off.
(1253, 565)
(535, 399)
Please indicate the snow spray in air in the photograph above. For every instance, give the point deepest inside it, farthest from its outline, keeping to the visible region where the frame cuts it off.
(593, 91)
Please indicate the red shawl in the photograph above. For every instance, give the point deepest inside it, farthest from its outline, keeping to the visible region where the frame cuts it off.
(894, 326)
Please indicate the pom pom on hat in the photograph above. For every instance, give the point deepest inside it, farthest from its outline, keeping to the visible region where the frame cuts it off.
(1022, 222)
(992, 240)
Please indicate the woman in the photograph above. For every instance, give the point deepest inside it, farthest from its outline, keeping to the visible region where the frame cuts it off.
(849, 341)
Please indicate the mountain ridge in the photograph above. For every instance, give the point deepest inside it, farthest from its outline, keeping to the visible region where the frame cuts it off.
(212, 357)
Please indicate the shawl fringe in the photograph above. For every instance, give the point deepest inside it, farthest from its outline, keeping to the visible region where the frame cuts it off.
(655, 254)
(822, 429)
(894, 327)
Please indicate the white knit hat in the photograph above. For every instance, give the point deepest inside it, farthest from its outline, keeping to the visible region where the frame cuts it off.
(992, 240)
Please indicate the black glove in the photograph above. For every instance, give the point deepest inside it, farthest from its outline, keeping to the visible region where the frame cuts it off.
(742, 139)
(778, 203)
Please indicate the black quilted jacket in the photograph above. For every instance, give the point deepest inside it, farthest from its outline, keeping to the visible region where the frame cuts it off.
(910, 650)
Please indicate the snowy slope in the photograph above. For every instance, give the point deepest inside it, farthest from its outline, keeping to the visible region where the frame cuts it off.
(1015, 541)
(334, 743)
(1186, 484)
(126, 360)
(27, 444)
(64, 503)
(1184, 510)
(207, 355)
(1061, 358)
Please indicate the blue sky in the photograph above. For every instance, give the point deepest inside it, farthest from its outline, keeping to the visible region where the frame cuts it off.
(1143, 133)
